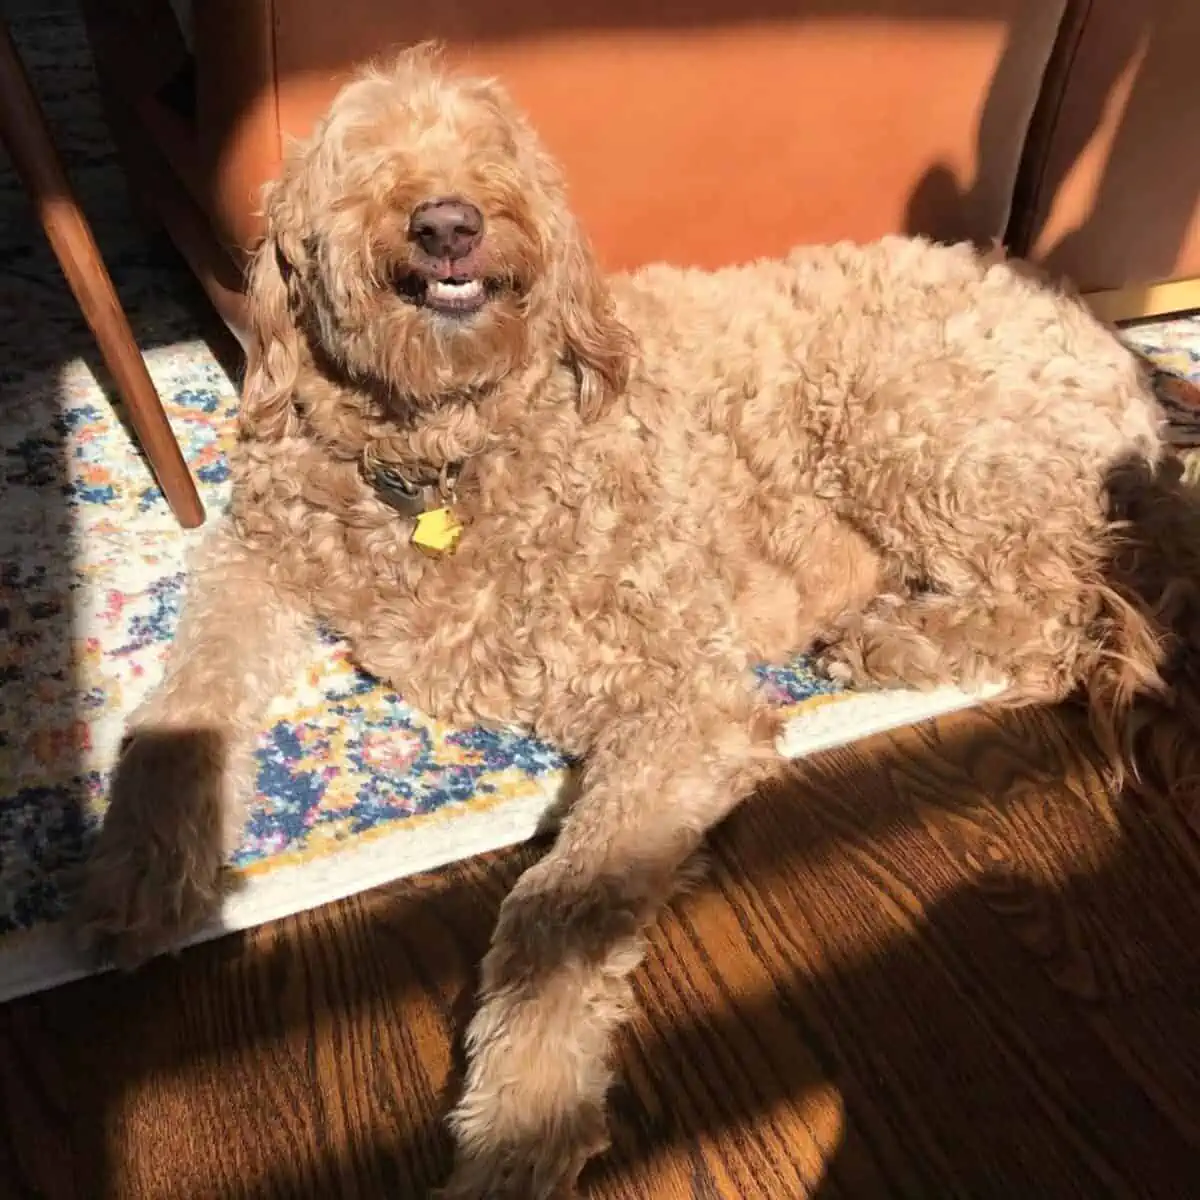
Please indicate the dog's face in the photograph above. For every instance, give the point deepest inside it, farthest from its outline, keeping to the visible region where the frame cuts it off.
(421, 242)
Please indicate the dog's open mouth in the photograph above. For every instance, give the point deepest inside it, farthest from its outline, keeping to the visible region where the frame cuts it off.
(451, 295)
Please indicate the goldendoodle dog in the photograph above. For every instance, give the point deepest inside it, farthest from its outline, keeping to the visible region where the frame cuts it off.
(534, 496)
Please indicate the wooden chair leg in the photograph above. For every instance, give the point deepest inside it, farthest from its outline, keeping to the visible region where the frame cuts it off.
(25, 132)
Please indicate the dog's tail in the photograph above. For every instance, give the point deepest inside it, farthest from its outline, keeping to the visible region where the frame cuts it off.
(1142, 687)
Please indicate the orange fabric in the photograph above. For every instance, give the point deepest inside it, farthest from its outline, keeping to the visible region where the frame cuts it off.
(705, 134)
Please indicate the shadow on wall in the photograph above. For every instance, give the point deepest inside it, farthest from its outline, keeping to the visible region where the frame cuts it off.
(1118, 189)
(1108, 189)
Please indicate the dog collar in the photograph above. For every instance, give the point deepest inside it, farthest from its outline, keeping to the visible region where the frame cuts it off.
(436, 529)
(408, 498)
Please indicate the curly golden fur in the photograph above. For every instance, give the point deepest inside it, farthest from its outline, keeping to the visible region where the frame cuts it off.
(899, 453)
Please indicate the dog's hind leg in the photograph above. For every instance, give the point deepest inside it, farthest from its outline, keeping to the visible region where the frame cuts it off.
(1055, 625)
(930, 640)
(177, 796)
(555, 983)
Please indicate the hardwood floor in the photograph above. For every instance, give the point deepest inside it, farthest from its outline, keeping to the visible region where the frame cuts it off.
(944, 964)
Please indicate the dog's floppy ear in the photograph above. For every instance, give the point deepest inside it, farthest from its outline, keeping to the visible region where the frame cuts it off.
(600, 347)
(273, 356)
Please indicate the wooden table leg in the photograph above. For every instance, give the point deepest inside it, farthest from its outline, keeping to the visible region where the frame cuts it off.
(27, 136)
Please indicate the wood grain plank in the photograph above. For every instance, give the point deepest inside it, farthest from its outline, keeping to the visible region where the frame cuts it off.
(942, 963)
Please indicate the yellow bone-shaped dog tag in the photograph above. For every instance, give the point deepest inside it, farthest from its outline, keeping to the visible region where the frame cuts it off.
(437, 531)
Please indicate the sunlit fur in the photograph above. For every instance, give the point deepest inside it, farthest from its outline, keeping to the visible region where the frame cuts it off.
(900, 454)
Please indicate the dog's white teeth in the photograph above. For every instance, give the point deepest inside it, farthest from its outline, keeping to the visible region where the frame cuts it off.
(445, 289)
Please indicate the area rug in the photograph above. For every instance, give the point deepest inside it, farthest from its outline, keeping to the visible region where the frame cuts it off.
(355, 787)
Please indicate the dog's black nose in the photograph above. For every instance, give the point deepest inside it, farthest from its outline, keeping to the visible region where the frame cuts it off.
(446, 228)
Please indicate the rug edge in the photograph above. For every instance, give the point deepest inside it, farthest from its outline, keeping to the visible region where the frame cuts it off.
(41, 959)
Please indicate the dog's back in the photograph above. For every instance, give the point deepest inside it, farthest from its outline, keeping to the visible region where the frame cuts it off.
(865, 349)
(902, 375)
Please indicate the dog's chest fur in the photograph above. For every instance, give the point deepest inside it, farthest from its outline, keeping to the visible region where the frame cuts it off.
(634, 553)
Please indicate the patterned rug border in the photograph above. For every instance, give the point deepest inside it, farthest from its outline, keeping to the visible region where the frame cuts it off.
(42, 958)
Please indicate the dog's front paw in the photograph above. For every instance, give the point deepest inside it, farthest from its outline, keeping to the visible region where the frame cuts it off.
(545, 1167)
(155, 873)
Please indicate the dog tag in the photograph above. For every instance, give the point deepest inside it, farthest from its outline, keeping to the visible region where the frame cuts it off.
(438, 531)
